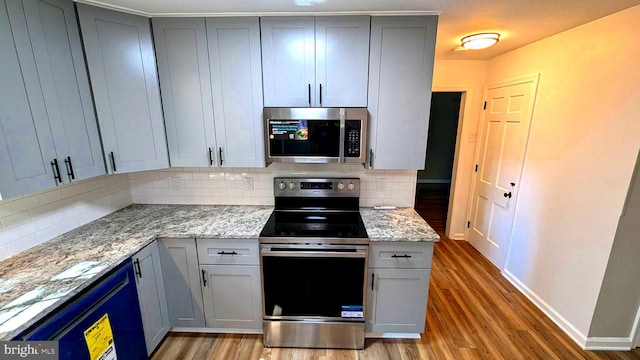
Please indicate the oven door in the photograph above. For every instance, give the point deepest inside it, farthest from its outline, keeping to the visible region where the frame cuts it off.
(313, 282)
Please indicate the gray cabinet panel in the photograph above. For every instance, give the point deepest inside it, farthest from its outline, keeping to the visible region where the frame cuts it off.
(152, 296)
(389, 313)
(232, 297)
(62, 72)
(26, 142)
(122, 67)
(288, 61)
(409, 255)
(400, 75)
(228, 251)
(342, 60)
(183, 66)
(182, 277)
(234, 53)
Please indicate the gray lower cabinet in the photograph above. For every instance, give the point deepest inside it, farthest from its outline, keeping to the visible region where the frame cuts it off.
(152, 295)
(182, 279)
(48, 129)
(398, 287)
(122, 67)
(399, 96)
(232, 298)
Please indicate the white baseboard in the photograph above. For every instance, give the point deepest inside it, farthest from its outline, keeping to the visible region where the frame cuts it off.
(575, 334)
(458, 236)
(206, 330)
(608, 343)
(392, 335)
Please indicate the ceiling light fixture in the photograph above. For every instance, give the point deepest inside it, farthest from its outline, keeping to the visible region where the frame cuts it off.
(480, 41)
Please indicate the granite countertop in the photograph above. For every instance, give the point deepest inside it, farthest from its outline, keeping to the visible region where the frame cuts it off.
(35, 282)
(402, 224)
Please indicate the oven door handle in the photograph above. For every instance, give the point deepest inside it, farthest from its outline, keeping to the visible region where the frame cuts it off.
(314, 253)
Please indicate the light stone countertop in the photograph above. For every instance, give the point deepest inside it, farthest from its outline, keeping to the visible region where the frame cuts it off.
(30, 290)
(402, 224)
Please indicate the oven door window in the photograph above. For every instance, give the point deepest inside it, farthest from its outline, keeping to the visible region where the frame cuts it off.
(304, 138)
(312, 286)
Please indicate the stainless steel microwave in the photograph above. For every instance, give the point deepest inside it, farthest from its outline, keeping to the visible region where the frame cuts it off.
(316, 135)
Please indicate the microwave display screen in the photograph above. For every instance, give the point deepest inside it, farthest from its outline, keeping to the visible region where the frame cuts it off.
(304, 137)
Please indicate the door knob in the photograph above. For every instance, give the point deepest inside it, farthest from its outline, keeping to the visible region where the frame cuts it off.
(508, 195)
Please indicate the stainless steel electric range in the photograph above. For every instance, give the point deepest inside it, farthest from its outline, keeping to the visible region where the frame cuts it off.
(313, 258)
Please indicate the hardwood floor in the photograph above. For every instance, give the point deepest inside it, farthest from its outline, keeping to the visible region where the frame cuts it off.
(473, 313)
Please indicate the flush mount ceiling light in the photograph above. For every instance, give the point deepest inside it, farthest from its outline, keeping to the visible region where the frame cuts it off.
(480, 41)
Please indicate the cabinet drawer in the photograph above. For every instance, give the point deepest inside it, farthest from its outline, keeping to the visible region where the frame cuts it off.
(400, 255)
(228, 251)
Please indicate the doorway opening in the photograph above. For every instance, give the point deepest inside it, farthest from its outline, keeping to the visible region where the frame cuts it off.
(433, 185)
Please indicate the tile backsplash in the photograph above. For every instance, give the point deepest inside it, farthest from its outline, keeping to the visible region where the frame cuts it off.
(32, 219)
(254, 186)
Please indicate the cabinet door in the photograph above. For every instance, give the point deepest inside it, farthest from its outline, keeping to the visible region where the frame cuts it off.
(400, 74)
(342, 60)
(122, 67)
(232, 297)
(389, 313)
(234, 53)
(182, 277)
(183, 66)
(152, 296)
(55, 40)
(288, 61)
(26, 142)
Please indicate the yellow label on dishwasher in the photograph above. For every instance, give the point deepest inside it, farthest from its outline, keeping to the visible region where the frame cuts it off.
(99, 338)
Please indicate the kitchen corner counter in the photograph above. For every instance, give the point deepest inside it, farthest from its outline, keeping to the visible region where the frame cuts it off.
(402, 224)
(35, 282)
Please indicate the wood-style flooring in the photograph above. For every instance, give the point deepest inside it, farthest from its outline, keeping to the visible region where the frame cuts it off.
(473, 313)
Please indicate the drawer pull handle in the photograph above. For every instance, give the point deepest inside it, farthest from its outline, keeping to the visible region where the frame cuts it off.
(373, 277)
(204, 278)
(400, 256)
(227, 253)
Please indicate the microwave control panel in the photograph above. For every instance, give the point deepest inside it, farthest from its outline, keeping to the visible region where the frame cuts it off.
(352, 138)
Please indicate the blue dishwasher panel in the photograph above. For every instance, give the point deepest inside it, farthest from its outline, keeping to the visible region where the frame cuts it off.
(114, 295)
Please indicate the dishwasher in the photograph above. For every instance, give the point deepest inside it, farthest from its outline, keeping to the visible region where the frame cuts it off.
(102, 322)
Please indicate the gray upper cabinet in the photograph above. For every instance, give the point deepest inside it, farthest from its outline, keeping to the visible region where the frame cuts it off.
(183, 66)
(400, 75)
(234, 55)
(122, 67)
(319, 61)
(46, 113)
(211, 84)
(342, 60)
(152, 296)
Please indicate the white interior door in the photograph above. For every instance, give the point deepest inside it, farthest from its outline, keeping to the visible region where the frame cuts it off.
(503, 139)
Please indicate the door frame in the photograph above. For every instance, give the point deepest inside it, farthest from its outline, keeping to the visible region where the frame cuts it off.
(464, 113)
(635, 331)
(512, 81)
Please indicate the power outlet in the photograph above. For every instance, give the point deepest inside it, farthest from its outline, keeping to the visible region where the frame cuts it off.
(381, 184)
(176, 184)
(248, 184)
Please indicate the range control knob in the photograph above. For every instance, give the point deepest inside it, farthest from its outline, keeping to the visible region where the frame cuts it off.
(351, 186)
(292, 185)
(282, 185)
(340, 186)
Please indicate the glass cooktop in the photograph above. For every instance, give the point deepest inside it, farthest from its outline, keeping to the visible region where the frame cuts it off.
(314, 224)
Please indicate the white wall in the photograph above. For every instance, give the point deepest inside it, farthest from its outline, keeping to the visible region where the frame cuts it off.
(227, 186)
(584, 139)
(30, 220)
(467, 76)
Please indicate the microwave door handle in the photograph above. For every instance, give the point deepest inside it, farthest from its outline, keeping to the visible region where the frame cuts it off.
(343, 115)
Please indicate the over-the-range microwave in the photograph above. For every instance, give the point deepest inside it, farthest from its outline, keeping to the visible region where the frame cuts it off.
(316, 135)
